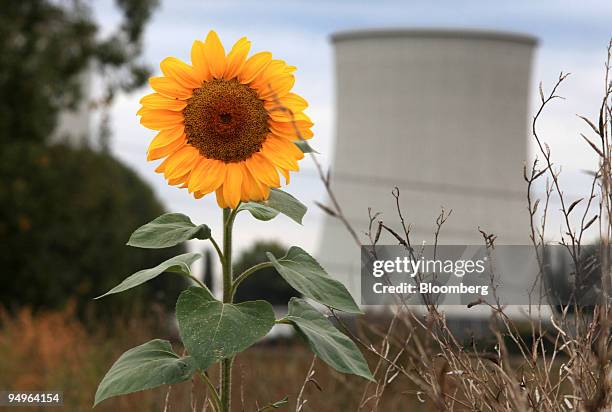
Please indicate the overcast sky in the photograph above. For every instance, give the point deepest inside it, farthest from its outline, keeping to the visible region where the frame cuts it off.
(573, 37)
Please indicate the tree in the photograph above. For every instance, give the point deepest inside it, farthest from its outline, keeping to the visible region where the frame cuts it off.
(46, 46)
(66, 213)
(65, 216)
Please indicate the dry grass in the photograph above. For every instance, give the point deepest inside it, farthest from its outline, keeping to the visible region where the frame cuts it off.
(54, 351)
(270, 373)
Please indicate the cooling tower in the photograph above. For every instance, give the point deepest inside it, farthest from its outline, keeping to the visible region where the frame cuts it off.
(73, 125)
(441, 114)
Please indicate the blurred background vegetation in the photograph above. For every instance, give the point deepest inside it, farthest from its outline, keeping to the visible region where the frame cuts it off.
(67, 210)
(47, 45)
(65, 216)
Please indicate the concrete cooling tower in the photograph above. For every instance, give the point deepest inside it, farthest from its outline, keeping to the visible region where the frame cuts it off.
(443, 115)
(73, 126)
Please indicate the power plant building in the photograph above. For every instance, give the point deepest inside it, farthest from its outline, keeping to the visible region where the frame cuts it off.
(442, 115)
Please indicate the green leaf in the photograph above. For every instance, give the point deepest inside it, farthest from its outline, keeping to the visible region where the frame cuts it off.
(259, 211)
(286, 204)
(278, 202)
(179, 264)
(144, 367)
(333, 347)
(304, 146)
(212, 330)
(166, 231)
(306, 276)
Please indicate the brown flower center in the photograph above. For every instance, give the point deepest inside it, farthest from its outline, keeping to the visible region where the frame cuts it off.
(225, 120)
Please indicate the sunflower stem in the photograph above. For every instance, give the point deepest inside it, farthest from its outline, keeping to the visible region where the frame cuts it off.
(244, 275)
(217, 248)
(213, 392)
(226, 263)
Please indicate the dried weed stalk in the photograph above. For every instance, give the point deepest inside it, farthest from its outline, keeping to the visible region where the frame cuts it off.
(552, 362)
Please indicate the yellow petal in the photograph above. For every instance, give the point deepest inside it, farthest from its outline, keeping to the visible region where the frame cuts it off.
(198, 195)
(236, 58)
(253, 66)
(277, 87)
(248, 185)
(282, 153)
(159, 152)
(180, 71)
(162, 166)
(169, 88)
(178, 180)
(285, 173)
(206, 176)
(282, 114)
(220, 200)
(165, 143)
(167, 136)
(157, 101)
(285, 170)
(251, 188)
(180, 162)
(198, 60)
(214, 177)
(290, 101)
(158, 119)
(291, 130)
(197, 173)
(263, 170)
(232, 185)
(273, 69)
(287, 151)
(214, 54)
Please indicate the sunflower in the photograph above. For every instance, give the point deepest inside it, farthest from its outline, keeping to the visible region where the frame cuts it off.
(227, 123)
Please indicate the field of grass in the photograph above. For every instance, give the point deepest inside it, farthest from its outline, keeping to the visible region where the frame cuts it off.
(54, 351)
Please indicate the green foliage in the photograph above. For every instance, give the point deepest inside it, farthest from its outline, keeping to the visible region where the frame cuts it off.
(46, 46)
(179, 265)
(278, 202)
(212, 330)
(167, 230)
(259, 211)
(145, 367)
(333, 347)
(266, 283)
(305, 274)
(65, 215)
